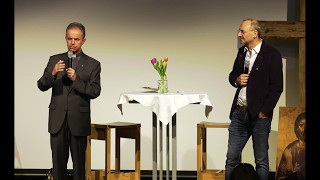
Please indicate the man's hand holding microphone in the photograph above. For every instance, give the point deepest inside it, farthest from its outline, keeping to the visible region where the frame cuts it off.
(60, 66)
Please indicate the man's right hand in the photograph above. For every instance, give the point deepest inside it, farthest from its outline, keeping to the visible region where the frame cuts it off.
(60, 66)
(242, 80)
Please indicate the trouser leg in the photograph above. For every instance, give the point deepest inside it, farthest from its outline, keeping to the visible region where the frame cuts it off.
(60, 153)
(260, 136)
(78, 145)
(238, 137)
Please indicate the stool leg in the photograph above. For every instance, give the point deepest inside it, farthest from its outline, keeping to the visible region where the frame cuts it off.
(137, 163)
(117, 152)
(108, 144)
(199, 134)
(88, 159)
(204, 148)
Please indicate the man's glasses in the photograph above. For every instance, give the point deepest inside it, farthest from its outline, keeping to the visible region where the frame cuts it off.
(243, 31)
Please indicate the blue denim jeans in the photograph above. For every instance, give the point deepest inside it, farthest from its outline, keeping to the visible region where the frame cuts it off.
(240, 130)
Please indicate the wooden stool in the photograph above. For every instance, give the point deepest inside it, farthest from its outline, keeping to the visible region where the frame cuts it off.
(103, 132)
(202, 135)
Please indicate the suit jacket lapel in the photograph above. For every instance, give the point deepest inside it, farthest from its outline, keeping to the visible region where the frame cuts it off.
(259, 58)
(81, 66)
(241, 56)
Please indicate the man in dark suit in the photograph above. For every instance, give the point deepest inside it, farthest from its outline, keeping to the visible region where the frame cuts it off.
(69, 109)
(257, 94)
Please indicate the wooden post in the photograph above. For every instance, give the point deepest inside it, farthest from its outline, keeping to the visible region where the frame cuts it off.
(302, 71)
(291, 30)
(302, 58)
(302, 10)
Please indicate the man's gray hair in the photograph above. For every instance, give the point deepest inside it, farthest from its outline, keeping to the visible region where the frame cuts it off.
(255, 25)
(78, 25)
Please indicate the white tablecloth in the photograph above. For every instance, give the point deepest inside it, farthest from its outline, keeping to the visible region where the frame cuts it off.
(165, 105)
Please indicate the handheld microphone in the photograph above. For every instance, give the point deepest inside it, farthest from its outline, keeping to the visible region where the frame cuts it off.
(73, 56)
(70, 56)
(246, 66)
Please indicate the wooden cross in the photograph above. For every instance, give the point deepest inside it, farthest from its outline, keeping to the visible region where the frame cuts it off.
(291, 30)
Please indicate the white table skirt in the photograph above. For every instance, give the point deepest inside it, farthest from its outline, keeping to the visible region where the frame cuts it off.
(164, 108)
(165, 105)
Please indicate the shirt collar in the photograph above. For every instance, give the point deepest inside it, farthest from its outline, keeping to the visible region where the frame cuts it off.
(255, 49)
(79, 54)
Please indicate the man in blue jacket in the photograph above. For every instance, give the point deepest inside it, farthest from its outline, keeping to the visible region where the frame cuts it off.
(258, 92)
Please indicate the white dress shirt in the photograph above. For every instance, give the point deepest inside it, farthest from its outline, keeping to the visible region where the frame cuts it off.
(242, 98)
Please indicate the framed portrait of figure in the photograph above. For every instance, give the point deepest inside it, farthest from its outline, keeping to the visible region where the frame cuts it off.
(291, 144)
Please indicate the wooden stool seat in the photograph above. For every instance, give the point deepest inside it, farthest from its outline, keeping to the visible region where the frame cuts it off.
(204, 173)
(103, 132)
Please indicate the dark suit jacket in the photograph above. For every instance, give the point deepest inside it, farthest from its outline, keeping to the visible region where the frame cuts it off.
(72, 97)
(265, 83)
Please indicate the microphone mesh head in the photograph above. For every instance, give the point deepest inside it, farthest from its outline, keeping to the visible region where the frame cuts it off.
(246, 63)
(70, 53)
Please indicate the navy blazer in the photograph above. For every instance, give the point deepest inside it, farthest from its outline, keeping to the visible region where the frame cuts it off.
(71, 96)
(265, 83)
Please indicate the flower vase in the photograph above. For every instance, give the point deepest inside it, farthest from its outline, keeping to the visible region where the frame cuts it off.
(162, 86)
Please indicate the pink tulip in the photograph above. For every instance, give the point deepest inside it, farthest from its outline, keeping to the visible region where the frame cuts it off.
(154, 60)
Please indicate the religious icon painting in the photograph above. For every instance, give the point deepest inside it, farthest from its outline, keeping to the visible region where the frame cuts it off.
(291, 144)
